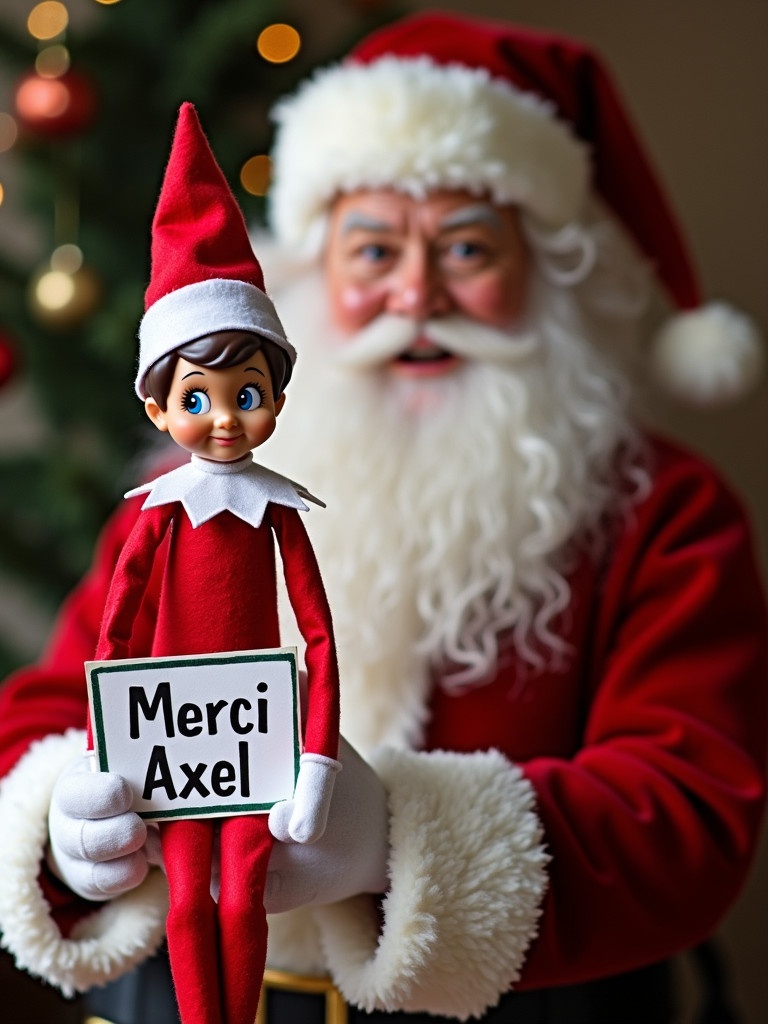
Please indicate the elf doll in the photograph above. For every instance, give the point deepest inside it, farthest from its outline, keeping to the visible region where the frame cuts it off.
(213, 363)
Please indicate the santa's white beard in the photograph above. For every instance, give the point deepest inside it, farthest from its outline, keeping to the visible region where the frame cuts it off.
(451, 504)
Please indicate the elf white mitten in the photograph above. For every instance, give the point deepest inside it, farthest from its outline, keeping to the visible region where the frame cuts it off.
(303, 819)
(96, 841)
(352, 855)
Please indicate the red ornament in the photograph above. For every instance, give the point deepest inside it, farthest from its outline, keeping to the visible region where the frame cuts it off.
(55, 106)
(7, 360)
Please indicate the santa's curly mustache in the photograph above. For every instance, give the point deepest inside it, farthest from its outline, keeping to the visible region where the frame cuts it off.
(453, 501)
(388, 337)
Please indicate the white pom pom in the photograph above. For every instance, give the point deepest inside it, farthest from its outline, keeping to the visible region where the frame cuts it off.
(708, 357)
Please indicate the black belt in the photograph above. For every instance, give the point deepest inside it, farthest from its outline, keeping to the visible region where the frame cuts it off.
(288, 998)
(642, 997)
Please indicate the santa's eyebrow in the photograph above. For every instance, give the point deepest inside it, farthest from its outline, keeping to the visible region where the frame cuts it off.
(255, 370)
(356, 221)
(193, 373)
(466, 216)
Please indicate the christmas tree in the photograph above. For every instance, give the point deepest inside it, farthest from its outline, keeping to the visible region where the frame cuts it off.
(94, 106)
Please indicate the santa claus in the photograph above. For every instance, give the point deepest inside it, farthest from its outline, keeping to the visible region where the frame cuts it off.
(551, 631)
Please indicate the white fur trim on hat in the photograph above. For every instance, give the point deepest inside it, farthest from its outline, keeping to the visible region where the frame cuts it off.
(468, 870)
(416, 126)
(202, 308)
(709, 356)
(105, 944)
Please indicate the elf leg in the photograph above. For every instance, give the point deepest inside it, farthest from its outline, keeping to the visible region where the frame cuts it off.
(191, 925)
(246, 843)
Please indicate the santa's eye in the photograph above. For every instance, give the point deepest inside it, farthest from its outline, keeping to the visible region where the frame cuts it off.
(374, 252)
(250, 397)
(196, 401)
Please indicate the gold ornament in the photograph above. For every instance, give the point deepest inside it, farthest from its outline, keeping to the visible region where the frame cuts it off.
(255, 175)
(278, 43)
(64, 292)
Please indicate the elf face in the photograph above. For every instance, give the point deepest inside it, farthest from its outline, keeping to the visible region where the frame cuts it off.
(449, 254)
(219, 414)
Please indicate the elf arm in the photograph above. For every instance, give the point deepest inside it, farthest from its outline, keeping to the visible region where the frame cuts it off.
(303, 819)
(129, 584)
(313, 616)
(96, 841)
(128, 587)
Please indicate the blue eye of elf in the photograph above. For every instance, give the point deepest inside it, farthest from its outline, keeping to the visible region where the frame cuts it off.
(196, 402)
(249, 397)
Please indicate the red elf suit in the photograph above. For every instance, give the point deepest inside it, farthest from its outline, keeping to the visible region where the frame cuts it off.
(219, 590)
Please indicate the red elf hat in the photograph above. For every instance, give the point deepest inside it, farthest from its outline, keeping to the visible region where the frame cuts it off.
(205, 276)
(442, 101)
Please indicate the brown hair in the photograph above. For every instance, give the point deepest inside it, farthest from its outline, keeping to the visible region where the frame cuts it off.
(218, 351)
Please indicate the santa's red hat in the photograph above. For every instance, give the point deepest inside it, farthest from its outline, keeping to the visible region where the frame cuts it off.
(439, 101)
(205, 276)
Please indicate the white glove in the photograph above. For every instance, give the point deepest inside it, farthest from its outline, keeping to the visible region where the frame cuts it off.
(350, 858)
(97, 844)
(303, 818)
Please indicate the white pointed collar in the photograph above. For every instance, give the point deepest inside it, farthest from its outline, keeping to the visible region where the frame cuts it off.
(206, 488)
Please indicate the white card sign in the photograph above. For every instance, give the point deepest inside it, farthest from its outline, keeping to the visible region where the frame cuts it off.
(201, 735)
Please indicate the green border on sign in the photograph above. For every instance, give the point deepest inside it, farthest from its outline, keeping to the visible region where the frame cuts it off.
(94, 673)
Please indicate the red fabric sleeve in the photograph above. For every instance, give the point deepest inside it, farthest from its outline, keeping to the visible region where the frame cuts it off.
(129, 584)
(653, 822)
(313, 616)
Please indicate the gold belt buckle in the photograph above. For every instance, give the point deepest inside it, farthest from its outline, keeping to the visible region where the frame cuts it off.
(286, 981)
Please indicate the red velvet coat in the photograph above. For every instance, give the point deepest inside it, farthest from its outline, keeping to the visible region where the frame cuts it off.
(647, 754)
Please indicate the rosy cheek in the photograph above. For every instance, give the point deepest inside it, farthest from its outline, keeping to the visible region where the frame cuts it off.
(262, 429)
(353, 299)
(186, 433)
(356, 305)
(496, 301)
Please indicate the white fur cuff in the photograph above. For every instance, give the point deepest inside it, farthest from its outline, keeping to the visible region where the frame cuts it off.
(104, 945)
(468, 872)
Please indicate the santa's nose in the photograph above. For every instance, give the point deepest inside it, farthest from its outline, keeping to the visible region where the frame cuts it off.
(417, 289)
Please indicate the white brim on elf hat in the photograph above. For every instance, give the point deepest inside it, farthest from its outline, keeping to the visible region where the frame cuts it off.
(203, 308)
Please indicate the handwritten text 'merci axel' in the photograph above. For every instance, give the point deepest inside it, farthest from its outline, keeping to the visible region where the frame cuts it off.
(224, 777)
